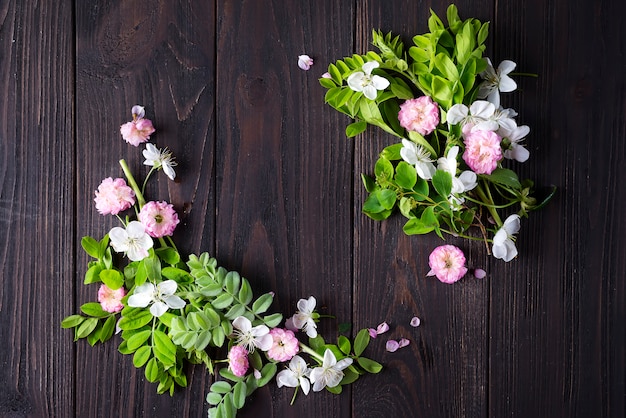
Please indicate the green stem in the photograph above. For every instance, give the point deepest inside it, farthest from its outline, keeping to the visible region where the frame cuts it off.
(489, 204)
(133, 183)
(305, 348)
(143, 186)
(456, 234)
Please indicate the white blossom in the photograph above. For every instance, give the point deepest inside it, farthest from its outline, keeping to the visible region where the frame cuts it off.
(366, 82)
(330, 373)
(160, 159)
(419, 157)
(161, 297)
(252, 337)
(134, 241)
(496, 81)
(503, 242)
(303, 319)
(297, 374)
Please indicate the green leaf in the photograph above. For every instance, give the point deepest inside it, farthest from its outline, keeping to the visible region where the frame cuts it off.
(327, 83)
(355, 128)
(368, 182)
(91, 247)
(406, 176)
(153, 267)
(94, 309)
(72, 321)
(505, 177)
(220, 387)
(447, 68)
(344, 345)
(262, 304)
(232, 281)
(272, 320)
(87, 327)
(204, 338)
(176, 274)
(239, 394)
(392, 152)
(108, 328)
(361, 342)
(169, 255)
(442, 182)
(415, 226)
(138, 339)
(235, 311)
(379, 201)
(93, 273)
(370, 366)
(442, 91)
(483, 33)
(245, 293)
(141, 356)
(267, 373)
(134, 318)
(114, 279)
(152, 370)
(213, 398)
(383, 169)
(227, 406)
(223, 301)
(164, 348)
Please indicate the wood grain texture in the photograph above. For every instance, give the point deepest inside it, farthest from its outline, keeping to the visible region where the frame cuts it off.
(269, 184)
(160, 55)
(284, 168)
(37, 206)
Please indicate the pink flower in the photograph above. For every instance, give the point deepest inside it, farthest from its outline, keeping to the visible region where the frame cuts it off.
(137, 131)
(447, 262)
(393, 345)
(113, 196)
(111, 300)
(482, 151)
(420, 115)
(285, 345)
(305, 62)
(238, 360)
(159, 219)
(380, 329)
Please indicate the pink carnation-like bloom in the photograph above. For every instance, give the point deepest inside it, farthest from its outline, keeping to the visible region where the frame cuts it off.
(482, 151)
(159, 219)
(113, 196)
(111, 300)
(238, 360)
(285, 345)
(447, 262)
(137, 131)
(420, 115)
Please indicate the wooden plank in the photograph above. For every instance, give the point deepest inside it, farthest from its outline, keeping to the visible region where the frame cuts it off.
(444, 370)
(557, 348)
(37, 207)
(160, 55)
(284, 169)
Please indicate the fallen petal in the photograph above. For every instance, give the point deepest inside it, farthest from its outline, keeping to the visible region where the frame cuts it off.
(480, 273)
(415, 321)
(392, 346)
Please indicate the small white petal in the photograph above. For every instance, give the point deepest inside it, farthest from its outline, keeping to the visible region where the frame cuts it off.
(482, 109)
(174, 302)
(380, 83)
(286, 378)
(158, 308)
(305, 385)
(507, 84)
(168, 287)
(243, 324)
(457, 113)
(506, 67)
(135, 229)
(355, 81)
(512, 224)
(369, 66)
(139, 300)
(370, 92)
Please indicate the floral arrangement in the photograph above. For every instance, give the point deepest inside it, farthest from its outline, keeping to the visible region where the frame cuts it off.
(168, 311)
(448, 171)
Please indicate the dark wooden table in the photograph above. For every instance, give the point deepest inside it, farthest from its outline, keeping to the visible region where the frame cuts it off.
(269, 184)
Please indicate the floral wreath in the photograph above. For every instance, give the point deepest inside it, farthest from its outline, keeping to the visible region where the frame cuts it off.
(169, 310)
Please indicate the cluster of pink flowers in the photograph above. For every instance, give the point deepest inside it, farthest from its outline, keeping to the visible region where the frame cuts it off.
(419, 115)
(114, 196)
(111, 300)
(482, 151)
(139, 129)
(159, 219)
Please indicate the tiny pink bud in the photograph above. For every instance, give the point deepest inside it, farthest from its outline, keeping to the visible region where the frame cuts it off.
(480, 273)
(415, 321)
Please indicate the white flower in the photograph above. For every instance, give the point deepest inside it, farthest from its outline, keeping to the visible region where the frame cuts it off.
(161, 297)
(303, 319)
(296, 375)
(479, 115)
(496, 81)
(503, 241)
(134, 241)
(515, 134)
(465, 181)
(160, 159)
(305, 62)
(252, 337)
(366, 82)
(330, 373)
(419, 157)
